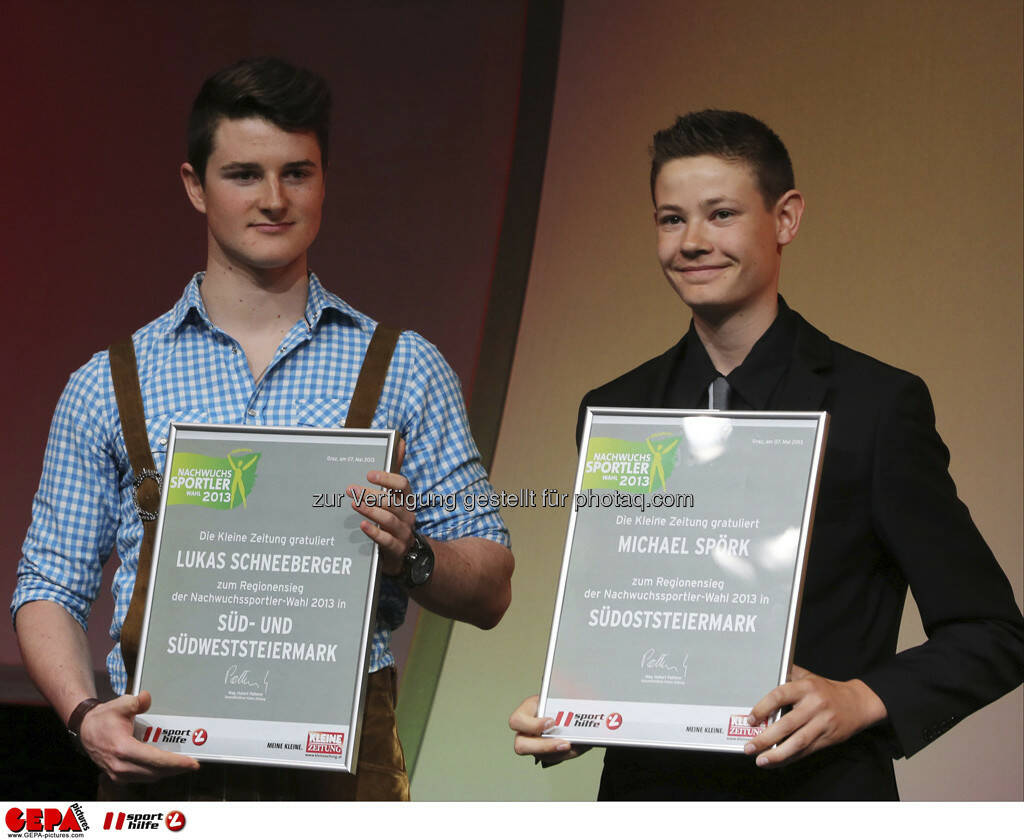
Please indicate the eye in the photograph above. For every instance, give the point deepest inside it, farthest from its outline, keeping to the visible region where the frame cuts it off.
(297, 174)
(243, 176)
(723, 215)
(670, 219)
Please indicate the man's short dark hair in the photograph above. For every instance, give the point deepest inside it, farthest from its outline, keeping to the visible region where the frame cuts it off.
(290, 97)
(732, 136)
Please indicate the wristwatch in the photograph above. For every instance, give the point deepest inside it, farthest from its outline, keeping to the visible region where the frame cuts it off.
(75, 721)
(417, 564)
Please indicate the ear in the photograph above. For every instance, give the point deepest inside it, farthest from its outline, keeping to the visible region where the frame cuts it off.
(789, 209)
(193, 187)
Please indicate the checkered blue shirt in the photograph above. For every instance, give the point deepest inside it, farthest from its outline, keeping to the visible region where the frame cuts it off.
(191, 371)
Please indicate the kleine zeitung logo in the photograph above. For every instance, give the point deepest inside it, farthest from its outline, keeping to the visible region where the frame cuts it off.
(325, 743)
(739, 728)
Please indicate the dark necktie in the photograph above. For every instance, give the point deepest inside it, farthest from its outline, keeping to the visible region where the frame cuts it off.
(718, 394)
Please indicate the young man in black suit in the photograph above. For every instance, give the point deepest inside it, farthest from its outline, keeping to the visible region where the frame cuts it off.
(888, 515)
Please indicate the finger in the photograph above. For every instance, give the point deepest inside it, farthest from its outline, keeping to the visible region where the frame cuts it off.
(398, 524)
(153, 758)
(383, 516)
(524, 745)
(147, 761)
(390, 480)
(527, 724)
(366, 496)
(525, 712)
(774, 734)
(783, 695)
(806, 740)
(131, 771)
(385, 539)
(128, 705)
(128, 759)
(798, 673)
(392, 502)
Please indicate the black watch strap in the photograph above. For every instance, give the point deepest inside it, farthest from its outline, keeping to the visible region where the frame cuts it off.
(75, 721)
(417, 564)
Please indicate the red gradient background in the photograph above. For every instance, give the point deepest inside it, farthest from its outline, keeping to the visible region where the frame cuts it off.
(98, 238)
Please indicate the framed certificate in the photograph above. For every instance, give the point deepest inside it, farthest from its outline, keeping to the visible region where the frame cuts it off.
(262, 596)
(681, 576)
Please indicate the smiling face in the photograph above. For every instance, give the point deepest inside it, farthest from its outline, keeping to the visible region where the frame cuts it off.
(263, 195)
(718, 244)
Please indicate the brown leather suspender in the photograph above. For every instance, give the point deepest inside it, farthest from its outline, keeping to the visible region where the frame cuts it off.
(128, 392)
(125, 374)
(371, 378)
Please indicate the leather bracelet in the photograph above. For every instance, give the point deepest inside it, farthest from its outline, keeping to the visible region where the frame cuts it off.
(75, 721)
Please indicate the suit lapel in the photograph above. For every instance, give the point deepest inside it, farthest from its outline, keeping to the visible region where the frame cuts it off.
(806, 385)
(658, 383)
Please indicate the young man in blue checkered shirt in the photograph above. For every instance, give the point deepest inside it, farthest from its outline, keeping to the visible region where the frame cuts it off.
(255, 339)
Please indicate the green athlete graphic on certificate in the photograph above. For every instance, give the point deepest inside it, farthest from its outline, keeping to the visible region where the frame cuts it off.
(218, 483)
(634, 466)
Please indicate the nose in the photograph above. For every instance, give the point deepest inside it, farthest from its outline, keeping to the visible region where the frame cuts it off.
(272, 196)
(695, 243)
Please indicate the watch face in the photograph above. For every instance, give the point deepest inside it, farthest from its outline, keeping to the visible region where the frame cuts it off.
(421, 568)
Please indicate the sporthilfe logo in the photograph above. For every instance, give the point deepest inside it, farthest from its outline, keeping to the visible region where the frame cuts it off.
(159, 735)
(587, 720)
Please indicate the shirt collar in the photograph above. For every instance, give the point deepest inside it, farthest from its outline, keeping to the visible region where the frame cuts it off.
(191, 301)
(318, 301)
(755, 380)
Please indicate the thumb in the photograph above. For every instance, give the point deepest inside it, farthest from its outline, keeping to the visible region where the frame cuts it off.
(142, 702)
(798, 673)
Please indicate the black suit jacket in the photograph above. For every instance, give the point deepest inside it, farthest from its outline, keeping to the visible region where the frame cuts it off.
(888, 516)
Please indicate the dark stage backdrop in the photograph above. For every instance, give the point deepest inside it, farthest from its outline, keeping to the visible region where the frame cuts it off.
(99, 238)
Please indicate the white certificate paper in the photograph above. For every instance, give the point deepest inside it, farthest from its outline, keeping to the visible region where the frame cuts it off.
(681, 577)
(262, 596)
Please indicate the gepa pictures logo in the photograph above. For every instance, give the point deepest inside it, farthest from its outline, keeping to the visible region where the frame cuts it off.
(53, 822)
(212, 482)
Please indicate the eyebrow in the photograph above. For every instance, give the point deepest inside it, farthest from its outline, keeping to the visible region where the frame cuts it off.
(705, 204)
(245, 166)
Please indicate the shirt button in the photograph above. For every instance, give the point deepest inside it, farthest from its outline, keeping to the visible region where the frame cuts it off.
(234, 349)
(251, 412)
